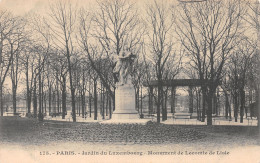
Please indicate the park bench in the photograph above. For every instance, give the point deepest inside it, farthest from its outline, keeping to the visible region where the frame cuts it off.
(47, 117)
(149, 116)
(182, 115)
(55, 114)
(29, 115)
(14, 114)
(250, 121)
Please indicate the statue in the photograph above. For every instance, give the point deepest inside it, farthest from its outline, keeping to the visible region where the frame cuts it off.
(124, 92)
(123, 65)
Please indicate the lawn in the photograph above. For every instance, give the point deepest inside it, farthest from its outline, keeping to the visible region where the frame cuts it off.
(28, 140)
(31, 132)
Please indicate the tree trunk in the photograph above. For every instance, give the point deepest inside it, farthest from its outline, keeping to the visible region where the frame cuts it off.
(227, 105)
(107, 99)
(258, 108)
(214, 105)
(218, 104)
(110, 108)
(83, 103)
(114, 100)
(45, 103)
(209, 109)
(54, 101)
(235, 98)
(28, 92)
(159, 92)
(40, 98)
(14, 72)
(190, 100)
(103, 102)
(162, 105)
(203, 105)
(242, 104)
(89, 101)
(90, 105)
(63, 97)
(199, 106)
(250, 100)
(1, 100)
(78, 102)
(165, 105)
(34, 100)
(73, 104)
(229, 112)
(58, 96)
(14, 98)
(137, 98)
(50, 100)
(29, 101)
(95, 100)
(83, 97)
(141, 100)
(173, 93)
(150, 100)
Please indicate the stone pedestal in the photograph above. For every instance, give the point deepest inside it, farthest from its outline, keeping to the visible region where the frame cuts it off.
(125, 103)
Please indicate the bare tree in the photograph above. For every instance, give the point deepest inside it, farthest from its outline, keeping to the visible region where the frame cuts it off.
(16, 41)
(113, 27)
(253, 19)
(62, 24)
(29, 67)
(239, 65)
(226, 87)
(7, 26)
(160, 46)
(207, 30)
(139, 70)
(58, 63)
(83, 69)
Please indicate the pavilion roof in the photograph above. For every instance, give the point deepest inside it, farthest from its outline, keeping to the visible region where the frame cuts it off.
(177, 82)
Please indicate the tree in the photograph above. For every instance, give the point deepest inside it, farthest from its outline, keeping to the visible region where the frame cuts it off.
(139, 70)
(63, 23)
(82, 70)
(239, 65)
(16, 41)
(41, 50)
(207, 30)
(254, 22)
(226, 87)
(58, 63)
(29, 68)
(7, 27)
(160, 45)
(111, 29)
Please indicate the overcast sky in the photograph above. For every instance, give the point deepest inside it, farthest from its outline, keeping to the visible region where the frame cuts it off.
(21, 7)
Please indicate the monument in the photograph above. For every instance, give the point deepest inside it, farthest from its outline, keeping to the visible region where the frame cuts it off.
(124, 92)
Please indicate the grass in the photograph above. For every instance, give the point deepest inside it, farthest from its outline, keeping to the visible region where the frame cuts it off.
(24, 131)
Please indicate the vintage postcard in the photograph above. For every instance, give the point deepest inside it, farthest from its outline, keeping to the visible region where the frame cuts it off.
(129, 81)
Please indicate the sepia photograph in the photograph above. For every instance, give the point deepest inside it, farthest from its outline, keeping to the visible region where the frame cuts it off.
(129, 81)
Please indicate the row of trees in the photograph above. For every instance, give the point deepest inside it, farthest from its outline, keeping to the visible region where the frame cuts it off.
(69, 51)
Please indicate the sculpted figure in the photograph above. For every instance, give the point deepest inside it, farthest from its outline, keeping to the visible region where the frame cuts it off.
(122, 69)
